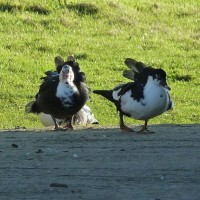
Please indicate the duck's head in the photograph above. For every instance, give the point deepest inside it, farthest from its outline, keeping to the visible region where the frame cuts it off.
(155, 76)
(78, 75)
(66, 74)
(159, 77)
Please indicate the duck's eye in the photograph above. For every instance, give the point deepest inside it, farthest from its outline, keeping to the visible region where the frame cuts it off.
(158, 76)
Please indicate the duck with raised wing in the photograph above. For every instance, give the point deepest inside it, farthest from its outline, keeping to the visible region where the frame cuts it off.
(61, 95)
(147, 97)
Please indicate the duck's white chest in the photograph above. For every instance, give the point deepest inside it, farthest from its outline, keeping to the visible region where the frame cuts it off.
(155, 102)
(65, 92)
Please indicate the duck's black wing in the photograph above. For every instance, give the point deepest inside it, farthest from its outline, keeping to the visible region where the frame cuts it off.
(134, 66)
(136, 90)
(49, 82)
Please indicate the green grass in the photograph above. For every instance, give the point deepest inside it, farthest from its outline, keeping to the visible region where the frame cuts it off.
(100, 35)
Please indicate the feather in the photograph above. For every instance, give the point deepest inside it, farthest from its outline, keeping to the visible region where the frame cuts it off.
(129, 74)
(134, 65)
(58, 61)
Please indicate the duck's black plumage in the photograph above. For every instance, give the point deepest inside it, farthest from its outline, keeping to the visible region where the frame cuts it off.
(48, 103)
(62, 94)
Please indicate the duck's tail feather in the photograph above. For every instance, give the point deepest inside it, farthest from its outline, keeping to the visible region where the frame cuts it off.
(105, 93)
(32, 107)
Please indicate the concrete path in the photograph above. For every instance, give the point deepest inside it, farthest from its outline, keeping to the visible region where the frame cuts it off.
(95, 164)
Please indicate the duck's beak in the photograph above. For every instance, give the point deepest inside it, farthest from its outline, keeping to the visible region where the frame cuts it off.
(165, 85)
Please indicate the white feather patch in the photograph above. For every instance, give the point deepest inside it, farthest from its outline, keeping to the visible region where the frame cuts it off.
(65, 93)
(116, 92)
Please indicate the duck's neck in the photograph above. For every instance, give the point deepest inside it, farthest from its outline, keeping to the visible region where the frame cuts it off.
(151, 86)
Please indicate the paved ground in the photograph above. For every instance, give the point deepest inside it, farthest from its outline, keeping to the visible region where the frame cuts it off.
(101, 164)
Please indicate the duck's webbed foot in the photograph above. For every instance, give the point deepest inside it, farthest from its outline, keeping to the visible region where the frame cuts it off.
(68, 125)
(56, 126)
(123, 127)
(144, 129)
(126, 128)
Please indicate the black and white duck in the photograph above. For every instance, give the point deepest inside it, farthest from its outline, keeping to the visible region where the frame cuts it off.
(82, 117)
(61, 95)
(147, 97)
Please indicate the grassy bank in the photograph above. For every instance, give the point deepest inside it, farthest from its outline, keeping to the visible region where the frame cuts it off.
(100, 35)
